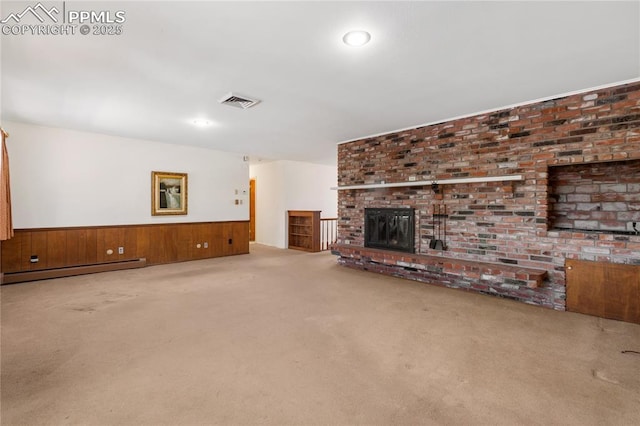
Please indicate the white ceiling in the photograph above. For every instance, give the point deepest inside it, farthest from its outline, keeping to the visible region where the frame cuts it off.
(427, 61)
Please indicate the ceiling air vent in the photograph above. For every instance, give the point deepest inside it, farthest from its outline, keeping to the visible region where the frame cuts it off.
(238, 101)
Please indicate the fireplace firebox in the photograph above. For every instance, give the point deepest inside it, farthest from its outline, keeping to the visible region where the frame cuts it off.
(389, 228)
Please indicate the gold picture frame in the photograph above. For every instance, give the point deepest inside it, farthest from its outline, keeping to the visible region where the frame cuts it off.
(168, 193)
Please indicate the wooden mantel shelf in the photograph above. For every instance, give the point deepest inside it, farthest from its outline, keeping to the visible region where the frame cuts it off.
(454, 181)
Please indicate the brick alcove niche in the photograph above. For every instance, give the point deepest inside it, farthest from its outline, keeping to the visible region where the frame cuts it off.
(595, 197)
(498, 231)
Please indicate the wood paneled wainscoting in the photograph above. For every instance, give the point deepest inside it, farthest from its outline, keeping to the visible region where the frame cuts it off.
(50, 252)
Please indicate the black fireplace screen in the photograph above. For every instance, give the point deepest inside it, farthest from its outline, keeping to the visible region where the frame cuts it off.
(391, 229)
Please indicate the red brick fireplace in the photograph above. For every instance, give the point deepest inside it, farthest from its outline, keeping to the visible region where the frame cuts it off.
(524, 189)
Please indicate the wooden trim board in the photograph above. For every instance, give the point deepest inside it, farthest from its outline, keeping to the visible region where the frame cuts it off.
(18, 277)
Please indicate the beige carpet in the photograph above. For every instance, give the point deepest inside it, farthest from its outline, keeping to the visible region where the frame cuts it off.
(285, 337)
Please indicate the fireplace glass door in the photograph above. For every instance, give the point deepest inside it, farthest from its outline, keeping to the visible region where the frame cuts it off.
(390, 229)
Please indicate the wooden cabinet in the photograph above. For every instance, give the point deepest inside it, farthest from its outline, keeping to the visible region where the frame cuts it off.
(602, 289)
(304, 230)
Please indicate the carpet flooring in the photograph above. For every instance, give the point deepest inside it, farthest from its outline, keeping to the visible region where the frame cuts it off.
(281, 337)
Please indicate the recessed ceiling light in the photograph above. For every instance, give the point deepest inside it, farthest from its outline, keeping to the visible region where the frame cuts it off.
(201, 122)
(356, 38)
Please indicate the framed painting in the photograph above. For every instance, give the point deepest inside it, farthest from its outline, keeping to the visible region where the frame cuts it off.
(168, 193)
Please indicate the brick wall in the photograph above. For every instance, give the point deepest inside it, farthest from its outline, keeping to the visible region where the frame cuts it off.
(506, 223)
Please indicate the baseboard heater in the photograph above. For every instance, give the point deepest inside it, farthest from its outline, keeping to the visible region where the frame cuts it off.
(19, 277)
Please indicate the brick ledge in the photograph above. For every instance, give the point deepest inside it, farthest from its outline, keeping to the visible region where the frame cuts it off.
(514, 274)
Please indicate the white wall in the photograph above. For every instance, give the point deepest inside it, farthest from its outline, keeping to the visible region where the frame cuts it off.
(290, 185)
(308, 187)
(63, 178)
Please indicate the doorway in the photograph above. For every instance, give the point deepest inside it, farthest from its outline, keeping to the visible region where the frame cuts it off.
(252, 210)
